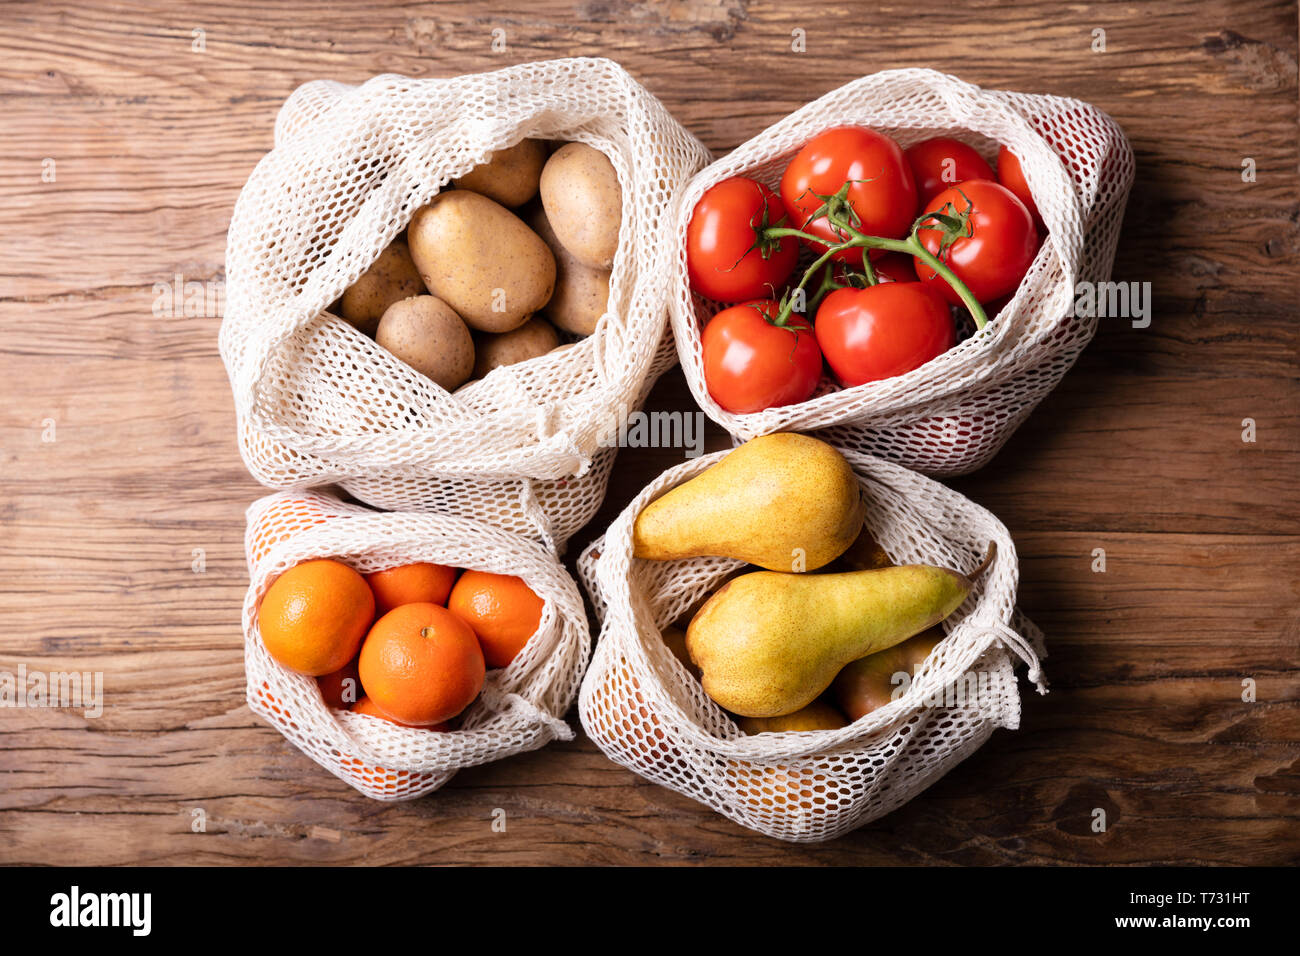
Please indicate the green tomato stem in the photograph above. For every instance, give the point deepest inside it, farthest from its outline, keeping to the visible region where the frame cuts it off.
(868, 269)
(910, 246)
(967, 297)
(787, 307)
(827, 285)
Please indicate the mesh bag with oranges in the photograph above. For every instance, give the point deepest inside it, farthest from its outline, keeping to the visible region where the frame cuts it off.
(951, 415)
(644, 708)
(328, 543)
(319, 402)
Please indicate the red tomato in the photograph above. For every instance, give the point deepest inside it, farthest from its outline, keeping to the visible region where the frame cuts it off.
(1013, 177)
(889, 267)
(942, 162)
(997, 254)
(751, 364)
(894, 267)
(721, 253)
(884, 199)
(882, 331)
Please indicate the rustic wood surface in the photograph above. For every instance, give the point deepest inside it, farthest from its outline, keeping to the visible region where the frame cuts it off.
(1139, 451)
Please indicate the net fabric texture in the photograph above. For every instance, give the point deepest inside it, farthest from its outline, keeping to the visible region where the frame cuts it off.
(951, 415)
(642, 707)
(549, 510)
(319, 402)
(521, 707)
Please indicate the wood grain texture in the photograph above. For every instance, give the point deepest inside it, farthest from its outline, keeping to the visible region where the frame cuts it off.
(1139, 450)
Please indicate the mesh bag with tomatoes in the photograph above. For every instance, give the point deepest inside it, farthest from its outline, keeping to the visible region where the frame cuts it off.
(520, 707)
(319, 402)
(921, 375)
(644, 708)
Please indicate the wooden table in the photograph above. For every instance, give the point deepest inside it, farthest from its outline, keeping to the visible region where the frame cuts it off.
(124, 150)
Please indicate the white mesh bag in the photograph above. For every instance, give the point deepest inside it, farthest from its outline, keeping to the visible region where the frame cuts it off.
(647, 712)
(522, 706)
(951, 415)
(319, 402)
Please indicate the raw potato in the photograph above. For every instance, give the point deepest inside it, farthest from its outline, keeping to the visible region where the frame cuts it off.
(581, 292)
(510, 176)
(426, 334)
(535, 337)
(393, 277)
(583, 202)
(481, 259)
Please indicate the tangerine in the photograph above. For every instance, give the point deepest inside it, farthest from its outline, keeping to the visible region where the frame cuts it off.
(503, 611)
(341, 688)
(315, 615)
(410, 584)
(421, 664)
(281, 520)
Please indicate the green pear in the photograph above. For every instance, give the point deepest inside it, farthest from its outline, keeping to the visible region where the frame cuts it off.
(784, 502)
(768, 644)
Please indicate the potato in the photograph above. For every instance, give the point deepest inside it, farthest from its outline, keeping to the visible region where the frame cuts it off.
(535, 337)
(581, 293)
(480, 258)
(510, 176)
(583, 202)
(426, 334)
(390, 279)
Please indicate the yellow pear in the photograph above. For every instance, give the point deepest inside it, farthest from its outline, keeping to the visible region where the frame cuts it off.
(784, 502)
(768, 644)
(818, 715)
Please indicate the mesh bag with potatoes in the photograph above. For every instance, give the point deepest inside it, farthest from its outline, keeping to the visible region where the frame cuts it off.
(320, 402)
(647, 711)
(521, 706)
(951, 415)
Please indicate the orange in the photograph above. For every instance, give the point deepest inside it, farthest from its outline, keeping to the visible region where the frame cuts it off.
(336, 690)
(791, 797)
(503, 611)
(621, 716)
(421, 664)
(283, 519)
(367, 706)
(315, 616)
(410, 584)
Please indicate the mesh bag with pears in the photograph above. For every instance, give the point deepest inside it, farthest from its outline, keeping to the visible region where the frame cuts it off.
(513, 701)
(951, 414)
(548, 316)
(875, 652)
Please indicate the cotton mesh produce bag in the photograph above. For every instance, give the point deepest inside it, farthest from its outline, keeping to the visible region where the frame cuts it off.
(951, 415)
(645, 710)
(318, 402)
(522, 706)
(551, 510)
